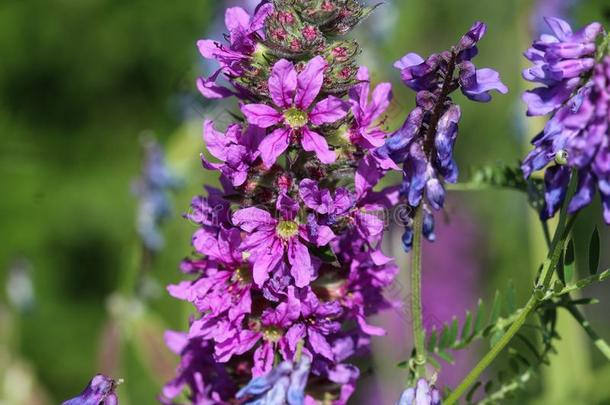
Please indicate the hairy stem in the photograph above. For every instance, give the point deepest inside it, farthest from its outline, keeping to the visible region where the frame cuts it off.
(416, 305)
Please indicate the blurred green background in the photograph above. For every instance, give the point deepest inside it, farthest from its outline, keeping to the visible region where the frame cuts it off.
(82, 80)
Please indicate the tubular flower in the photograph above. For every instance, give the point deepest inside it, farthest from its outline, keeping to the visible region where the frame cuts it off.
(424, 144)
(288, 252)
(577, 136)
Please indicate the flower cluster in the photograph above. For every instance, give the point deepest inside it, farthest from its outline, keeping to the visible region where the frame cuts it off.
(288, 263)
(575, 76)
(424, 144)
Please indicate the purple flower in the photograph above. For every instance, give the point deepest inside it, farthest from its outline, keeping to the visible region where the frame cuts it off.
(365, 131)
(208, 381)
(152, 189)
(243, 36)
(285, 384)
(560, 60)
(293, 96)
(270, 240)
(577, 137)
(424, 144)
(100, 391)
(237, 150)
(422, 394)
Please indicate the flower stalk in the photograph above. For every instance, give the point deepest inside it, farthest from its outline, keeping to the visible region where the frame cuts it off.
(416, 299)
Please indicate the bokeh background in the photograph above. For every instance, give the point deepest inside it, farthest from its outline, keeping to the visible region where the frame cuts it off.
(87, 86)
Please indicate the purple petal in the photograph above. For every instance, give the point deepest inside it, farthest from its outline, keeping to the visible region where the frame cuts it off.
(299, 258)
(409, 60)
(283, 83)
(236, 18)
(274, 145)
(309, 82)
(253, 218)
(319, 344)
(584, 193)
(314, 142)
(329, 110)
(560, 28)
(556, 180)
(209, 89)
(266, 262)
(261, 115)
(484, 81)
(287, 207)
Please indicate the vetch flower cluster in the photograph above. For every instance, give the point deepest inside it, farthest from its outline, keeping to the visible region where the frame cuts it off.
(288, 263)
(575, 76)
(424, 144)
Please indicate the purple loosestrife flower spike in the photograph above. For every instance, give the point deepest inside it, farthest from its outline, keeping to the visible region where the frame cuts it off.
(287, 261)
(100, 391)
(422, 394)
(576, 90)
(424, 144)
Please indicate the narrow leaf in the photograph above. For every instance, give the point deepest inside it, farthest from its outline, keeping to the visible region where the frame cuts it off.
(444, 339)
(466, 327)
(445, 356)
(594, 252)
(496, 309)
(453, 331)
(432, 341)
(568, 267)
(472, 391)
(510, 299)
(478, 322)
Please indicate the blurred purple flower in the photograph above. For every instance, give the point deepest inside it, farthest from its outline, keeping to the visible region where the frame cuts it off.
(100, 391)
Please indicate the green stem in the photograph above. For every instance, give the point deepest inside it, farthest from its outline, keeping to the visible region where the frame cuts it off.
(472, 377)
(600, 343)
(416, 305)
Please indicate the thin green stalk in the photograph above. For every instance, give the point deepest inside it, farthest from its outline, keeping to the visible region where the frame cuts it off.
(416, 305)
(599, 342)
(473, 376)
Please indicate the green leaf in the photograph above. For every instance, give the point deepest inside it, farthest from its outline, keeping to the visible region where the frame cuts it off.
(466, 328)
(445, 356)
(496, 309)
(403, 364)
(473, 390)
(594, 252)
(444, 339)
(568, 270)
(453, 331)
(434, 362)
(478, 321)
(325, 253)
(495, 337)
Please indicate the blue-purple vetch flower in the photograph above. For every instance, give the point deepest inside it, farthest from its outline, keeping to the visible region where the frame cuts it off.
(422, 394)
(284, 384)
(559, 62)
(100, 391)
(577, 137)
(424, 144)
(244, 31)
(270, 240)
(295, 113)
